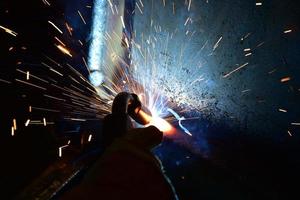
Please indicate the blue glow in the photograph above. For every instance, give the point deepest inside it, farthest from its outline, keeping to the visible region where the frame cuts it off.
(179, 121)
(97, 45)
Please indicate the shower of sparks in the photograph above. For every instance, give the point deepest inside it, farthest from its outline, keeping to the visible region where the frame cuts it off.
(149, 73)
(60, 31)
(7, 30)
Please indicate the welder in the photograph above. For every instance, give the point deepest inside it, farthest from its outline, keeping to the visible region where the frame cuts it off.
(127, 169)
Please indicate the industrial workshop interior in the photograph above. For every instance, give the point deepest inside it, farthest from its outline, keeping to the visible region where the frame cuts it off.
(149, 99)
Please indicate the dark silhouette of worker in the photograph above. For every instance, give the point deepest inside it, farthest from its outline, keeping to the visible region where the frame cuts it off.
(127, 169)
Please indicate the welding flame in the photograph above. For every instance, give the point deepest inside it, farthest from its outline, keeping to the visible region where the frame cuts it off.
(158, 122)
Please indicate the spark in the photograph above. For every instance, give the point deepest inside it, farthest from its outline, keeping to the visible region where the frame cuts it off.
(286, 79)
(31, 84)
(179, 121)
(27, 75)
(30, 109)
(235, 70)
(245, 37)
(76, 119)
(282, 110)
(90, 138)
(60, 150)
(248, 54)
(248, 49)
(55, 71)
(173, 8)
(272, 71)
(260, 44)
(187, 20)
(64, 50)
(5, 81)
(83, 20)
(289, 132)
(57, 39)
(122, 20)
(7, 30)
(12, 131)
(31, 75)
(69, 28)
(44, 121)
(44, 109)
(258, 3)
(295, 124)
(217, 44)
(141, 3)
(139, 8)
(248, 90)
(15, 124)
(189, 6)
(287, 31)
(60, 31)
(116, 9)
(85, 64)
(79, 41)
(46, 2)
(27, 122)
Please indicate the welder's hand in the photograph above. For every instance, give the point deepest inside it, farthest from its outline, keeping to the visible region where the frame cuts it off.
(146, 138)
